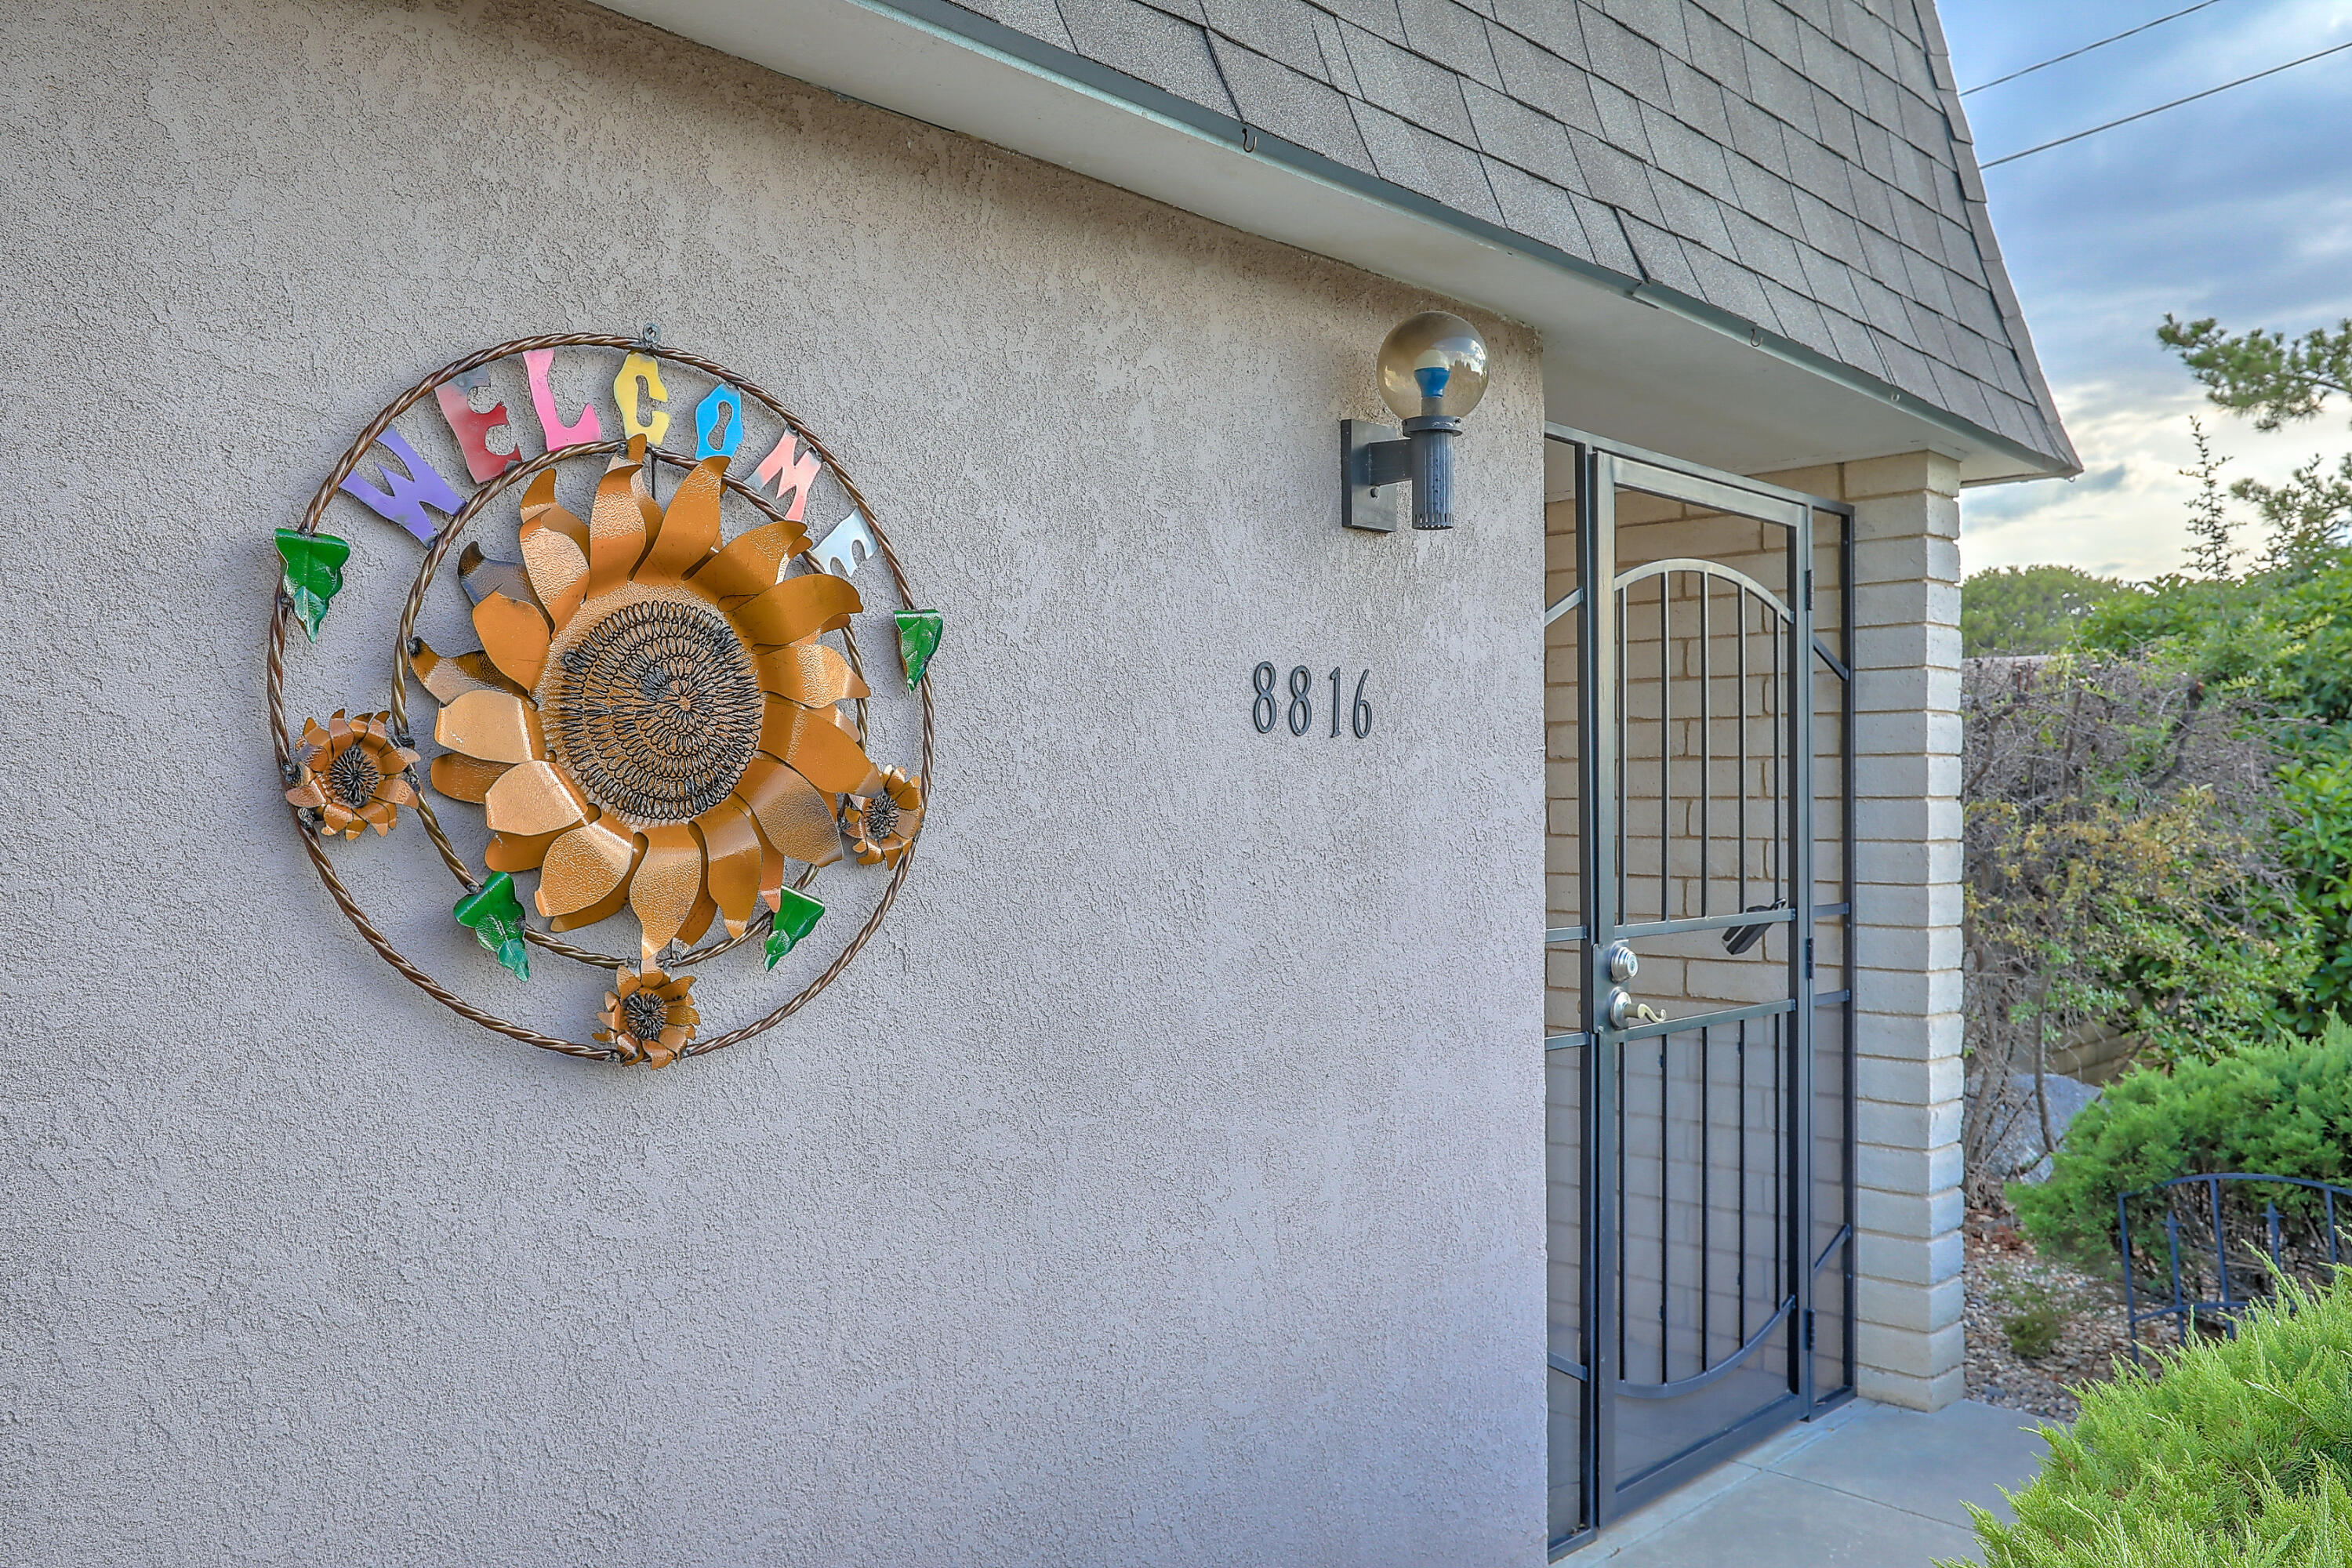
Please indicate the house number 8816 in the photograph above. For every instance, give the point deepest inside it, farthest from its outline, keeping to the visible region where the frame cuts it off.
(1269, 709)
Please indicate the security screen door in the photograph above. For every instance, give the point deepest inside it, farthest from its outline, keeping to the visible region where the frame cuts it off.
(1699, 1023)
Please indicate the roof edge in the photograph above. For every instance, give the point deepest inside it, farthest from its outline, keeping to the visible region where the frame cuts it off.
(967, 30)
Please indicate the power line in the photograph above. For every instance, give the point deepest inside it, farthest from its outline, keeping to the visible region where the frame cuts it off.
(2176, 103)
(2086, 48)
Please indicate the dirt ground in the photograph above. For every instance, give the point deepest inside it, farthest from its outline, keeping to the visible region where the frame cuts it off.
(1999, 1256)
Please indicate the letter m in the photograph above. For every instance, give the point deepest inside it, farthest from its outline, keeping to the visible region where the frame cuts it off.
(788, 468)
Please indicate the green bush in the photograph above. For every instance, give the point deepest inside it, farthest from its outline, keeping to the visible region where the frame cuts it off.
(2034, 1314)
(2282, 1108)
(2238, 1453)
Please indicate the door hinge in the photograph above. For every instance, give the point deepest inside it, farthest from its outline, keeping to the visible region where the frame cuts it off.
(1809, 588)
(1809, 1328)
(1809, 958)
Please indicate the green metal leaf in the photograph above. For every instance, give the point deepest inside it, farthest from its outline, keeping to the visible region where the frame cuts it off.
(313, 573)
(919, 639)
(494, 918)
(796, 916)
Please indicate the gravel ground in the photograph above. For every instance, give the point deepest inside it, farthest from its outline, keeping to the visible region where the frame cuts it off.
(2094, 1336)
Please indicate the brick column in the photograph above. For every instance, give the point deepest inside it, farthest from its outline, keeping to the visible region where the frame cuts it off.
(1906, 645)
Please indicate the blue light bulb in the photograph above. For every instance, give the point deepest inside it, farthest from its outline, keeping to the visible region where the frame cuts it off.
(1433, 379)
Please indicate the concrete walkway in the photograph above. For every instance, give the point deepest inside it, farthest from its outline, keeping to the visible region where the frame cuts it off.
(1869, 1485)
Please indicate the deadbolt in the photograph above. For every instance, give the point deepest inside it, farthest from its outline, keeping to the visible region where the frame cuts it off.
(1624, 962)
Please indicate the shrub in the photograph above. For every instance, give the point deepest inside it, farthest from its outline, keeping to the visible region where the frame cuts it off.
(2238, 1453)
(2120, 835)
(2281, 1109)
(2035, 1315)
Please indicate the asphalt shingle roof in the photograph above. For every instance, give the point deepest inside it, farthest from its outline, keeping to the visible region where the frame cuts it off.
(1802, 164)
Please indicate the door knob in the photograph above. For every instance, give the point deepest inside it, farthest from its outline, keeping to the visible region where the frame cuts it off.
(1624, 1012)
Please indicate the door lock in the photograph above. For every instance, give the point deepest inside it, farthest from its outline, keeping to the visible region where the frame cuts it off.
(1624, 1012)
(1624, 962)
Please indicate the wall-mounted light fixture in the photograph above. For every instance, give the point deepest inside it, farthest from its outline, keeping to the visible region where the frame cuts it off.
(1432, 371)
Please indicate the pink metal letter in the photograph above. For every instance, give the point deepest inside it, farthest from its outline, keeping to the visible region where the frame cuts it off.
(542, 403)
(785, 471)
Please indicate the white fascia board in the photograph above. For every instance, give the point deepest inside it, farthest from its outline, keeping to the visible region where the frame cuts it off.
(1622, 359)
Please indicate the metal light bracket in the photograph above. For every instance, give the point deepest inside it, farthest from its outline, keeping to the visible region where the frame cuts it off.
(1375, 465)
(1379, 467)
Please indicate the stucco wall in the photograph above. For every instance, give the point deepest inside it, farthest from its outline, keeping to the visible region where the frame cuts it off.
(1163, 1185)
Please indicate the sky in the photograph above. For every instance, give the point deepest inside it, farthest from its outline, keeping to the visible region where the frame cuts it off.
(2238, 207)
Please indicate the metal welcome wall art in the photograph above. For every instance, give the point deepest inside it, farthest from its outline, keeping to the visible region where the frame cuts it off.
(667, 719)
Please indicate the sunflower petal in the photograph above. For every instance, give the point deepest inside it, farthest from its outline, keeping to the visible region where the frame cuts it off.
(668, 884)
(689, 524)
(495, 726)
(771, 874)
(533, 798)
(810, 674)
(732, 853)
(312, 792)
(461, 777)
(798, 607)
(540, 511)
(380, 816)
(794, 817)
(815, 747)
(515, 635)
(753, 562)
(446, 676)
(619, 524)
(512, 852)
(482, 575)
(397, 790)
(554, 550)
(586, 869)
(699, 919)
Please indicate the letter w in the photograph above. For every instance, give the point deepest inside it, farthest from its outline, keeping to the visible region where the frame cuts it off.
(410, 492)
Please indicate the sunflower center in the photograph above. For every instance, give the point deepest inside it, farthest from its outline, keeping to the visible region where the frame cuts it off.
(354, 777)
(643, 1013)
(881, 817)
(655, 708)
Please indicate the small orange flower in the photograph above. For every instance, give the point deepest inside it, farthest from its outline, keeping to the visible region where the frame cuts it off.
(649, 1017)
(882, 825)
(351, 775)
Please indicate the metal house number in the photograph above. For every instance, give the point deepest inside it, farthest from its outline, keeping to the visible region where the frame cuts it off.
(1267, 710)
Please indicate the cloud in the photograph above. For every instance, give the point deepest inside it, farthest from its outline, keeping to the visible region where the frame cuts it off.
(2238, 207)
(2013, 504)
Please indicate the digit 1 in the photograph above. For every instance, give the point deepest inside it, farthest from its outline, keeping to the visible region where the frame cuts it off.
(1335, 704)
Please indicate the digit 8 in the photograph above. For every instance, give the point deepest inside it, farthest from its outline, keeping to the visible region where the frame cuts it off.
(1262, 711)
(1302, 709)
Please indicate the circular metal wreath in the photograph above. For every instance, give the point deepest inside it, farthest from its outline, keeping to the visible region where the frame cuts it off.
(282, 617)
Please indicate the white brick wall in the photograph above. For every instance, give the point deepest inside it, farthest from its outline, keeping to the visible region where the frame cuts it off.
(1907, 650)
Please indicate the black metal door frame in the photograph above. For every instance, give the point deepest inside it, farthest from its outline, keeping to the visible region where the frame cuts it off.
(1602, 467)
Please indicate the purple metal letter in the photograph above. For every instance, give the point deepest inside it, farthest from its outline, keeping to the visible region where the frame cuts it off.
(411, 492)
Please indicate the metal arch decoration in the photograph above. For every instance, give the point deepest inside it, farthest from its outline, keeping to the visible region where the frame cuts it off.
(666, 716)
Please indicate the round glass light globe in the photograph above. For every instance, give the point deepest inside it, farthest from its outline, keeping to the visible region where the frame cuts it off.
(1428, 342)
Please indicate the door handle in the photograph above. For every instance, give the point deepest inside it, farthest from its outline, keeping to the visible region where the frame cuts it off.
(1624, 1012)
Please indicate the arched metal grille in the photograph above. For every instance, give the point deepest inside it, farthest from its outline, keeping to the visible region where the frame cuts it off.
(1700, 1135)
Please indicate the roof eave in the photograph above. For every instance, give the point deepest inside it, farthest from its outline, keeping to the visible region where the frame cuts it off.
(1719, 388)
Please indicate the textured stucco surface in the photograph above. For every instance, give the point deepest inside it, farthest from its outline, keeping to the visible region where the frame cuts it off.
(1163, 1185)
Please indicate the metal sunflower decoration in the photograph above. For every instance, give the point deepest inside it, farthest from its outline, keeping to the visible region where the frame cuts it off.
(666, 720)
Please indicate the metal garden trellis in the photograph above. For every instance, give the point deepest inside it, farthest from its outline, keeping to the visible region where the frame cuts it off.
(2187, 1300)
